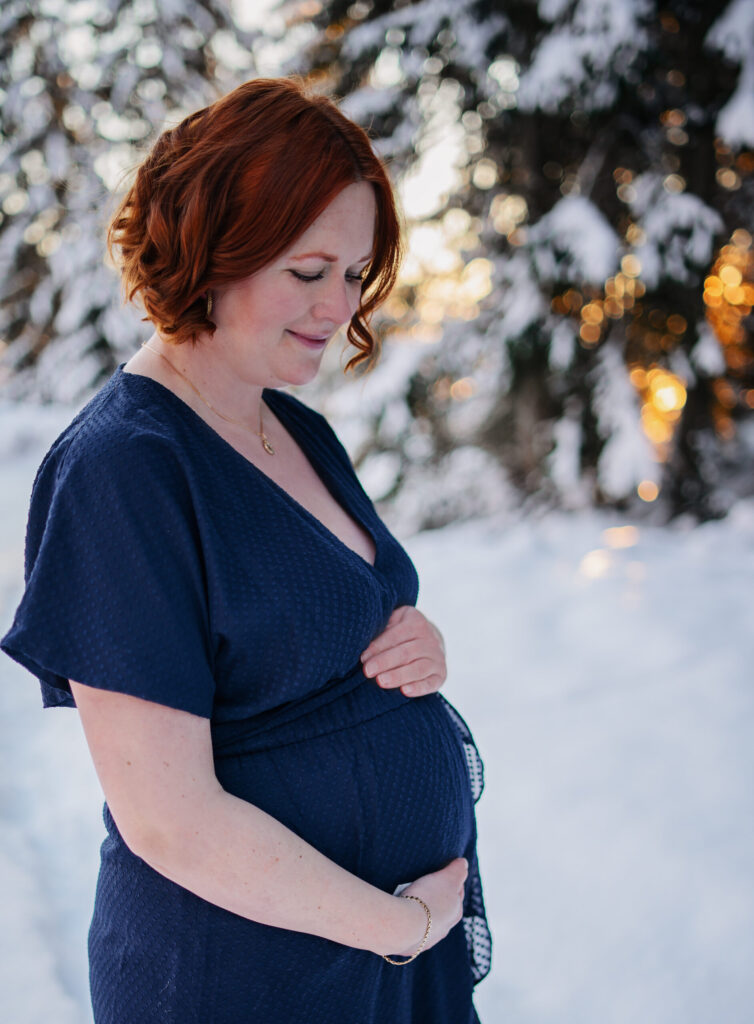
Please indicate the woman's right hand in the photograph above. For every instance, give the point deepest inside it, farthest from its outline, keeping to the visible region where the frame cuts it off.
(442, 891)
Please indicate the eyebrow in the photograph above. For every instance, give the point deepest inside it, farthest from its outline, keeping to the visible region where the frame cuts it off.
(327, 257)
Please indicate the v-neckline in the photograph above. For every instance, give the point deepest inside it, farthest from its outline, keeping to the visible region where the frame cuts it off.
(324, 476)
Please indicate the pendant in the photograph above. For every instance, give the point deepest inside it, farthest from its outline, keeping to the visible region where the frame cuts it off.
(267, 446)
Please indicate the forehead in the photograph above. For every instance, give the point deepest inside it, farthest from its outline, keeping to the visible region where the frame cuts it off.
(345, 227)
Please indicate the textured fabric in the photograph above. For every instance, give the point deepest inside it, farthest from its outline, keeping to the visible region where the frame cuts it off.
(161, 563)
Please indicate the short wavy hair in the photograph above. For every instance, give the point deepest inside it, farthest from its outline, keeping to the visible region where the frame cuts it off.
(232, 187)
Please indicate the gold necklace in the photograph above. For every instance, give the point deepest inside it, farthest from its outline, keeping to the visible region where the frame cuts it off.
(260, 433)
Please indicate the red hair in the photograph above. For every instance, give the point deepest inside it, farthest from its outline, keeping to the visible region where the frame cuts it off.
(232, 187)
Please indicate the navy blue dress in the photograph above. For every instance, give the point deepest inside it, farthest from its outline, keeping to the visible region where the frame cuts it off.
(162, 563)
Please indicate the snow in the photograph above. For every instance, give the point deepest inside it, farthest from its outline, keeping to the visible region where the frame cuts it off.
(585, 55)
(627, 457)
(362, 104)
(564, 461)
(733, 35)
(521, 302)
(679, 231)
(707, 355)
(735, 122)
(608, 688)
(574, 242)
(562, 345)
(423, 20)
(441, 151)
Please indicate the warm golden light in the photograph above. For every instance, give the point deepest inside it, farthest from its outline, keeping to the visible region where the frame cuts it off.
(507, 212)
(734, 294)
(655, 426)
(663, 395)
(630, 265)
(666, 399)
(713, 285)
(595, 564)
(589, 334)
(435, 283)
(673, 118)
(485, 174)
(729, 298)
(728, 178)
(476, 279)
(648, 490)
(462, 389)
(725, 394)
(730, 275)
(620, 536)
(668, 392)
(592, 313)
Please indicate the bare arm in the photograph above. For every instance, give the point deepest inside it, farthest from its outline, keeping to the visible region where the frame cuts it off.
(156, 768)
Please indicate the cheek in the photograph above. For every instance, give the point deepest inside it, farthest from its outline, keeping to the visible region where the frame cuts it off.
(266, 301)
(278, 306)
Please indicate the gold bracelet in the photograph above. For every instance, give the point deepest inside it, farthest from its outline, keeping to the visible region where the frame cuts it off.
(422, 944)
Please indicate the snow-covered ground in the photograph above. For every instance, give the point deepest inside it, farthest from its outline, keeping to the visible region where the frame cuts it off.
(609, 690)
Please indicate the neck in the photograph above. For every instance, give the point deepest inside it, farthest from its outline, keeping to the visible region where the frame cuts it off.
(218, 391)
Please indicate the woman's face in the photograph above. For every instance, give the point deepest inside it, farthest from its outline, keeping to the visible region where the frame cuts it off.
(273, 327)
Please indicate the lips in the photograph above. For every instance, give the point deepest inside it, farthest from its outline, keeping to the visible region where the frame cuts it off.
(310, 339)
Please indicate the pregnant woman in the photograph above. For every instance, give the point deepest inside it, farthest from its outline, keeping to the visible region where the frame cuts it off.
(289, 800)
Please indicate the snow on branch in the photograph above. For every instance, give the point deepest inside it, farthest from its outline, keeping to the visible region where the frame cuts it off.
(679, 228)
(585, 55)
(733, 35)
(627, 457)
(574, 242)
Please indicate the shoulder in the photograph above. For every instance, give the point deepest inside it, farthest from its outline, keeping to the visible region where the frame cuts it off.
(109, 449)
(105, 485)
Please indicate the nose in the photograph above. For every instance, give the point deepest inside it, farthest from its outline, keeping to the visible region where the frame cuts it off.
(335, 303)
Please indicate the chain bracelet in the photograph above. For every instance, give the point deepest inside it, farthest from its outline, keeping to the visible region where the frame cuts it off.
(422, 944)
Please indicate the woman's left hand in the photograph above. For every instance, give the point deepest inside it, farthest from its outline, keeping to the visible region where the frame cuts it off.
(409, 653)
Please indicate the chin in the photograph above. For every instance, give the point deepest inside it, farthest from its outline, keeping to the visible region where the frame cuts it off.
(299, 376)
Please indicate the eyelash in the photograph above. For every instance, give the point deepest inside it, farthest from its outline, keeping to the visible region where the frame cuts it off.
(318, 277)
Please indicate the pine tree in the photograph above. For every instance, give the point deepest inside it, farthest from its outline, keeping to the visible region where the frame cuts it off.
(82, 86)
(585, 278)
(575, 310)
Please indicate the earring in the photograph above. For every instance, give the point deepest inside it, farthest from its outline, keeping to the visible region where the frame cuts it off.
(209, 303)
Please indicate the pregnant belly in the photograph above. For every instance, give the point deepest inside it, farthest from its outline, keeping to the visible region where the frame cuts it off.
(388, 799)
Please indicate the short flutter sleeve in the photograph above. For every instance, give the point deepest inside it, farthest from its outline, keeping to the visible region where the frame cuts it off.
(115, 592)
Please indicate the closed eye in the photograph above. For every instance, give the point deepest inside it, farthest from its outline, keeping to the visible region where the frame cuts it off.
(320, 275)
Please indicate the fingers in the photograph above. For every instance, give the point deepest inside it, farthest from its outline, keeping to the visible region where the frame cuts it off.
(422, 687)
(444, 892)
(409, 653)
(458, 870)
(398, 633)
(391, 657)
(460, 865)
(412, 674)
(415, 679)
